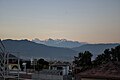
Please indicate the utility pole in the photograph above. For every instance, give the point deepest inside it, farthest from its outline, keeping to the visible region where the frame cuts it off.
(2, 60)
(7, 55)
(18, 63)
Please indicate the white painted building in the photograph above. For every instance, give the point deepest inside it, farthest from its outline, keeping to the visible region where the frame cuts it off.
(56, 71)
(63, 67)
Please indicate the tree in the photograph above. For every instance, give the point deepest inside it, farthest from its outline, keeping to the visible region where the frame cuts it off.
(107, 56)
(115, 53)
(99, 60)
(87, 58)
(42, 64)
(118, 52)
(83, 60)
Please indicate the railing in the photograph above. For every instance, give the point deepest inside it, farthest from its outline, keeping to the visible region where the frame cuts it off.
(4, 64)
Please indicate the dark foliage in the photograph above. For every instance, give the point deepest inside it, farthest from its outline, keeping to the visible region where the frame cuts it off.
(107, 56)
(41, 64)
(84, 59)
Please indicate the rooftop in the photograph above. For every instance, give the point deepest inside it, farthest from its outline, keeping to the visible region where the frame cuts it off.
(108, 70)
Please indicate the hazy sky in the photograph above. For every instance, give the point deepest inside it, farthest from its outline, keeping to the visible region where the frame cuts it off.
(93, 21)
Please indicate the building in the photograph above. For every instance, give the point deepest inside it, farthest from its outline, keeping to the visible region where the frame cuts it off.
(9, 63)
(56, 71)
(63, 67)
(13, 62)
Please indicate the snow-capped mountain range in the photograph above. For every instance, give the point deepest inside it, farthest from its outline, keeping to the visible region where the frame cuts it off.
(59, 42)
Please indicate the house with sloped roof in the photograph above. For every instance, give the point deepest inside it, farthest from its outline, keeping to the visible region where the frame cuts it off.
(12, 61)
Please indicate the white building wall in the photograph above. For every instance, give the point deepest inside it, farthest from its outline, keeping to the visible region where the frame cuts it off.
(65, 70)
(68, 68)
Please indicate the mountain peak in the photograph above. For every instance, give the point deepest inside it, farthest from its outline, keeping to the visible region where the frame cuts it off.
(59, 42)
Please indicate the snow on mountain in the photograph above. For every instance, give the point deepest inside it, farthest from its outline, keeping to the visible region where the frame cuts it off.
(59, 42)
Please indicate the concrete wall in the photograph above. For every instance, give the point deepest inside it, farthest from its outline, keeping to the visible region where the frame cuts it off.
(46, 77)
(91, 79)
(67, 77)
(50, 77)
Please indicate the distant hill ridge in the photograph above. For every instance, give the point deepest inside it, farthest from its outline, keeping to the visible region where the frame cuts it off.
(34, 50)
(96, 49)
(31, 49)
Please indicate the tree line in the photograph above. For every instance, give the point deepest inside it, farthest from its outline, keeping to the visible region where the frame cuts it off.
(84, 59)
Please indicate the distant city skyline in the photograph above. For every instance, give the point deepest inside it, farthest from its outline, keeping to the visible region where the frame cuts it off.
(92, 21)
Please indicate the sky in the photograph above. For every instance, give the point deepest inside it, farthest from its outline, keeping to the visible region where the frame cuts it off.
(92, 21)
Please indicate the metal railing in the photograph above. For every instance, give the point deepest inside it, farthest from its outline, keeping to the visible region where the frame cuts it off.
(4, 63)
